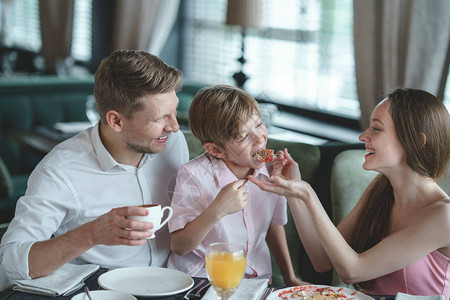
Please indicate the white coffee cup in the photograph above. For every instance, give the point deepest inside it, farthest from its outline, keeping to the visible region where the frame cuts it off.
(155, 215)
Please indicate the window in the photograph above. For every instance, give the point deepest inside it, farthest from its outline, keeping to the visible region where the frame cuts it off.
(82, 30)
(303, 57)
(20, 27)
(447, 93)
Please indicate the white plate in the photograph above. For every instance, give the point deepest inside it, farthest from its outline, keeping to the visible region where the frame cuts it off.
(104, 295)
(289, 293)
(146, 281)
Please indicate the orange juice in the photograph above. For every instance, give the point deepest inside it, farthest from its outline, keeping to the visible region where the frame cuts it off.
(225, 270)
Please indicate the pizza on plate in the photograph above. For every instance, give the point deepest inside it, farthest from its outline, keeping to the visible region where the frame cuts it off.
(314, 293)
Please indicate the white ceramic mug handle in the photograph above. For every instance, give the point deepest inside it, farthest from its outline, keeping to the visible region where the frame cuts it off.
(168, 216)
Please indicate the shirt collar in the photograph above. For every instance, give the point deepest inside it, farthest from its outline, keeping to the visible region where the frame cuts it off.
(223, 175)
(107, 162)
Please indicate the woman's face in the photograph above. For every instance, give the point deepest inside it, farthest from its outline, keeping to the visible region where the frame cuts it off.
(384, 151)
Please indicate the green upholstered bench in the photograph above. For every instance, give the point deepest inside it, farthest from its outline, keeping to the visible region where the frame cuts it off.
(29, 102)
(26, 103)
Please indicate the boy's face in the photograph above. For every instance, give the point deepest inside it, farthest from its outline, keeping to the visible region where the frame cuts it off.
(238, 154)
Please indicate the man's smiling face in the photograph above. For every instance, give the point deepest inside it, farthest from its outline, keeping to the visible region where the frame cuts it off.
(147, 130)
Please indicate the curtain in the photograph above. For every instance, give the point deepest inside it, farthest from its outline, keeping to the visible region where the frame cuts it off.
(399, 43)
(56, 19)
(144, 24)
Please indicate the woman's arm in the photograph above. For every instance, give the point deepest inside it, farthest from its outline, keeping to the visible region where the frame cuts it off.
(287, 168)
(398, 250)
(276, 240)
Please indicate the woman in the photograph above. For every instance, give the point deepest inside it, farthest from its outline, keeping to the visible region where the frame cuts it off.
(396, 239)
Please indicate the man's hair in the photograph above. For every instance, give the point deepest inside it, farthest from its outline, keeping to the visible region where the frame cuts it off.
(217, 113)
(126, 76)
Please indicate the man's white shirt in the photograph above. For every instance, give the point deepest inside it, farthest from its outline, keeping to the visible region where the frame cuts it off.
(77, 182)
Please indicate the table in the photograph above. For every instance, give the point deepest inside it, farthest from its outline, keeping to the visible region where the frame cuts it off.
(93, 285)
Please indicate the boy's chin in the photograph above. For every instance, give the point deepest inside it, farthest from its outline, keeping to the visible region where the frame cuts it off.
(258, 164)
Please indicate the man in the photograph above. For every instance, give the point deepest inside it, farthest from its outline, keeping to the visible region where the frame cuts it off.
(82, 192)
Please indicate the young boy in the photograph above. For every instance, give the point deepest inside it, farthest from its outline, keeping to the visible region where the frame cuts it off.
(213, 201)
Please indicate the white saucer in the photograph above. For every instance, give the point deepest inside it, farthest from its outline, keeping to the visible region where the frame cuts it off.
(146, 281)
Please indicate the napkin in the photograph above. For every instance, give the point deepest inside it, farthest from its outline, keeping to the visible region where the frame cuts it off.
(402, 296)
(249, 289)
(63, 281)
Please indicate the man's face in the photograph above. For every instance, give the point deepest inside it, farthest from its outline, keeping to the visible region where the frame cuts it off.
(147, 130)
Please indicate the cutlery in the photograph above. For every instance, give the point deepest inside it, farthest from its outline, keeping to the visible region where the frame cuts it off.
(267, 292)
(245, 181)
(198, 293)
(86, 290)
(196, 286)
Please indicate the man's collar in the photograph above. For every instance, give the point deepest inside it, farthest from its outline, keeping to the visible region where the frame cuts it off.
(107, 162)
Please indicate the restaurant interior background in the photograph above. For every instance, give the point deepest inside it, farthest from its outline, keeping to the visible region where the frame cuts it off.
(299, 54)
(324, 64)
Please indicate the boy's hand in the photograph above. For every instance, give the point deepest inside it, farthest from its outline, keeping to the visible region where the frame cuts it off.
(232, 198)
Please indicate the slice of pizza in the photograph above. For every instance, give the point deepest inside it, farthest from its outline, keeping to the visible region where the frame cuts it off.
(264, 155)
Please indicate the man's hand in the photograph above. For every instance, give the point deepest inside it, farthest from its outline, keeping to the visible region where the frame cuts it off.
(113, 228)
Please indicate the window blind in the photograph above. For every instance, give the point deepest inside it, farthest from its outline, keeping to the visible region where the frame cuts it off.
(82, 30)
(20, 26)
(303, 56)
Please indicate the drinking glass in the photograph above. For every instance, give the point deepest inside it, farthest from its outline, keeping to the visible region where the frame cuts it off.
(225, 265)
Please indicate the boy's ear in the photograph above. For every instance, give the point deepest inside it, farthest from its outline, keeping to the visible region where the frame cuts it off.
(214, 150)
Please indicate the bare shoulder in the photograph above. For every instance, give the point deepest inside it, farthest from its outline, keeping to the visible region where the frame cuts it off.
(441, 211)
(440, 214)
(435, 217)
(444, 207)
(443, 216)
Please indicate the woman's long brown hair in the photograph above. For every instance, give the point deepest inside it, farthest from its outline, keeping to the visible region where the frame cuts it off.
(415, 113)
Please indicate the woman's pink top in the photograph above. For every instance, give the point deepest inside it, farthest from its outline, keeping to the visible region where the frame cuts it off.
(427, 276)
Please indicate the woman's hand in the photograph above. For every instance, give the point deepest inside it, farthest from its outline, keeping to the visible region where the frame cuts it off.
(285, 179)
(290, 188)
(284, 166)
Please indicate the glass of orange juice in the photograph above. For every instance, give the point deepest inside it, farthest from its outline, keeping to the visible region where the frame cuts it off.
(225, 265)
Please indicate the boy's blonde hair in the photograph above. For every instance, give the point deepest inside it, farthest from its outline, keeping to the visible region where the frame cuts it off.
(217, 114)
